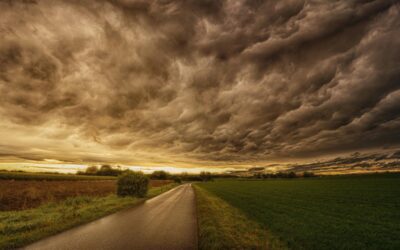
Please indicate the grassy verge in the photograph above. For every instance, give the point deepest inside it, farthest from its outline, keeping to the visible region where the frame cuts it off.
(222, 226)
(18, 228)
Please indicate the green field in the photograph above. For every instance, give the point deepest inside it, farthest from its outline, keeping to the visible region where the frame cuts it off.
(350, 212)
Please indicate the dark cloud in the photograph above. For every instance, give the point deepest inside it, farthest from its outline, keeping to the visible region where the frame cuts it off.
(198, 82)
(385, 161)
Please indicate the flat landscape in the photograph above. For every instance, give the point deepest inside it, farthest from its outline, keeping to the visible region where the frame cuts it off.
(257, 124)
(325, 212)
(341, 212)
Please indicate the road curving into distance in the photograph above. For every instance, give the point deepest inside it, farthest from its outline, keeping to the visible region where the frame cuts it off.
(167, 221)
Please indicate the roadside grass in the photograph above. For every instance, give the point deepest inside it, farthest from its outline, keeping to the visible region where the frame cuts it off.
(222, 226)
(19, 228)
(353, 212)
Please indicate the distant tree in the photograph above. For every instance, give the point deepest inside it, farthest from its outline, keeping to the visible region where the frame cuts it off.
(284, 175)
(159, 175)
(107, 170)
(269, 175)
(184, 176)
(258, 175)
(92, 170)
(105, 167)
(205, 176)
(308, 174)
(132, 184)
(177, 179)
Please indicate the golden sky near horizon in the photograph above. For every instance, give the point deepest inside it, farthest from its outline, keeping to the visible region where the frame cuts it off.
(198, 83)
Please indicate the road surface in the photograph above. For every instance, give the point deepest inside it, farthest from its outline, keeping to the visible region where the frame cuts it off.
(167, 221)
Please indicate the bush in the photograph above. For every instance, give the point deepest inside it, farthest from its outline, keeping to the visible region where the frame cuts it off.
(133, 184)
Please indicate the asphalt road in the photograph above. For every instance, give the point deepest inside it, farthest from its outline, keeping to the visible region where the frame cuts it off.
(167, 221)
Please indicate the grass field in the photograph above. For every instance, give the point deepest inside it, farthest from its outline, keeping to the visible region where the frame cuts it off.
(222, 226)
(350, 212)
(18, 228)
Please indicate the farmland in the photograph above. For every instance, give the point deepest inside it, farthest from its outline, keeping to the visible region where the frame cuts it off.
(35, 205)
(349, 212)
(22, 194)
(18, 195)
(63, 204)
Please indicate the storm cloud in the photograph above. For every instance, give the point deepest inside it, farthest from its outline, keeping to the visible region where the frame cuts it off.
(198, 82)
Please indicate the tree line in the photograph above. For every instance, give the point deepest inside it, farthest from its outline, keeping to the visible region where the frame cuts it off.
(288, 175)
(108, 170)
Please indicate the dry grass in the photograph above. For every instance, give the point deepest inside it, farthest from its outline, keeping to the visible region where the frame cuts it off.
(20, 195)
(159, 183)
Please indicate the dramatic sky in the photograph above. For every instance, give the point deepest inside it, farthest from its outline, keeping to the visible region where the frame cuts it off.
(198, 83)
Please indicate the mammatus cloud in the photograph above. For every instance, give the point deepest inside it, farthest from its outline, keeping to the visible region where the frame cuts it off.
(197, 82)
(355, 163)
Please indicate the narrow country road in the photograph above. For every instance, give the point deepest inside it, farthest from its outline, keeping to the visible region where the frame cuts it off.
(167, 221)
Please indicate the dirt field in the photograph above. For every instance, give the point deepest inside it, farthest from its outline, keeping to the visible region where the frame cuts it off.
(19, 195)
